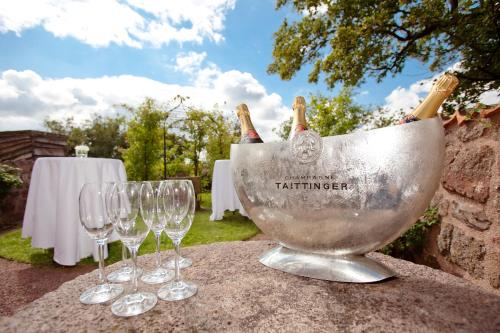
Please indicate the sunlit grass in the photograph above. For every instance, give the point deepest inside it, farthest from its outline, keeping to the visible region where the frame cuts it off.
(203, 231)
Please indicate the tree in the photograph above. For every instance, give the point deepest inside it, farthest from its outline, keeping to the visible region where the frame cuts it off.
(222, 133)
(173, 105)
(196, 125)
(335, 116)
(348, 39)
(104, 135)
(176, 155)
(381, 117)
(76, 134)
(144, 135)
(330, 116)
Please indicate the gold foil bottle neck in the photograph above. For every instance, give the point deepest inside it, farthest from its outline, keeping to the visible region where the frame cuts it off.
(299, 103)
(248, 132)
(299, 122)
(441, 89)
(242, 110)
(445, 84)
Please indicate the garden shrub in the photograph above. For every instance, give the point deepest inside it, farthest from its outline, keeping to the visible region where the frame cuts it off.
(9, 177)
(410, 245)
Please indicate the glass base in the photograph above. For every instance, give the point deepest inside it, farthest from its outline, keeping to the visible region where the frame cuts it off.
(101, 293)
(183, 263)
(175, 291)
(134, 304)
(159, 275)
(123, 274)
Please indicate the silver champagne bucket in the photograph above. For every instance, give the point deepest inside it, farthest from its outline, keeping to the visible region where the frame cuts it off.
(328, 201)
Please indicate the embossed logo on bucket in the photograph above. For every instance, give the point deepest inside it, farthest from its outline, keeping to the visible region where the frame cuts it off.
(306, 146)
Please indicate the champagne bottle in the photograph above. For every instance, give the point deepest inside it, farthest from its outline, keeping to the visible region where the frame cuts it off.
(248, 132)
(441, 89)
(299, 122)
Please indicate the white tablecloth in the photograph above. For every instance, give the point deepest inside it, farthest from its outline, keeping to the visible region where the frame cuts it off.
(223, 194)
(51, 217)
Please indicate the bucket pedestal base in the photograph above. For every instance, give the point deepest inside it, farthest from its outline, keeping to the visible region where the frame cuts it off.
(356, 269)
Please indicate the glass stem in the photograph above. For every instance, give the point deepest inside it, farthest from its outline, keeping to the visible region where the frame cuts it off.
(158, 254)
(177, 245)
(124, 255)
(133, 252)
(100, 245)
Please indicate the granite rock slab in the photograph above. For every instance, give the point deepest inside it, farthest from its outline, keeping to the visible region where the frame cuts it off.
(238, 294)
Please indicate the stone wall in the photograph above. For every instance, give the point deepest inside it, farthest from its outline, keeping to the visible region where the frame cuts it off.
(467, 243)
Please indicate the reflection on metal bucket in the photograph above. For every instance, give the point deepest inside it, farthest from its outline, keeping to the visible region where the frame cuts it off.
(349, 195)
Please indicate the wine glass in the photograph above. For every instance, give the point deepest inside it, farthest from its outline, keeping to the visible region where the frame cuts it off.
(124, 273)
(97, 224)
(151, 209)
(178, 203)
(183, 261)
(132, 230)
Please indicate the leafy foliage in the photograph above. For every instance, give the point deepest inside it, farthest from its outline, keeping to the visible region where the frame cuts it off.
(176, 155)
(208, 137)
(348, 39)
(143, 156)
(76, 134)
(196, 125)
(224, 131)
(330, 116)
(9, 177)
(335, 116)
(380, 117)
(283, 131)
(105, 136)
(193, 141)
(411, 243)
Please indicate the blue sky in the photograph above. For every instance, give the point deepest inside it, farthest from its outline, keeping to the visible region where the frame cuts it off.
(76, 58)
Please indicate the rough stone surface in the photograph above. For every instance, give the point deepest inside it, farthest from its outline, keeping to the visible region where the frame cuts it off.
(495, 280)
(461, 249)
(472, 216)
(237, 293)
(467, 252)
(468, 201)
(444, 238)
(469, 173)
(472, 130)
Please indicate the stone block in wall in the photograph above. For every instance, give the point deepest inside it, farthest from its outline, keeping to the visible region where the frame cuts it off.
(462, 249)
(472, 130)
(468, 172)
(441, 203)
(472, 215)
(444, 238)
(495, 280)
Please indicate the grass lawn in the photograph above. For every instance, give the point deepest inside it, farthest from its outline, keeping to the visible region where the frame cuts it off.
(203, 231)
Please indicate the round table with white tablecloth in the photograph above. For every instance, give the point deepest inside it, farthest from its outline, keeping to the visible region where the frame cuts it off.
(223, 194)
(51, 217)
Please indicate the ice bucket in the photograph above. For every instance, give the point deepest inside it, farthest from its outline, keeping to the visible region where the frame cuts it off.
(328, 201)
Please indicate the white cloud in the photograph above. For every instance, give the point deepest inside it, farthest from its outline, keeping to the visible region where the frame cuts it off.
(190, 62)
(316, 11)
(132, 23)
(406, 99)
(402, 99)
(27, 98)
(490, 97)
